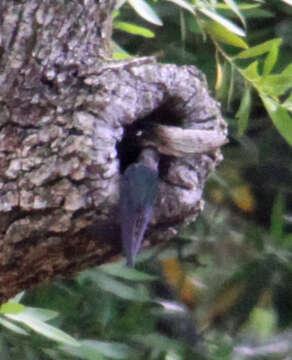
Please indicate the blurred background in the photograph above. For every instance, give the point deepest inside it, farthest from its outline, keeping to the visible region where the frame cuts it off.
(222, 289)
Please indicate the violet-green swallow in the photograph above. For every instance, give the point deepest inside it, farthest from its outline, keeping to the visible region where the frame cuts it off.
(139, 189)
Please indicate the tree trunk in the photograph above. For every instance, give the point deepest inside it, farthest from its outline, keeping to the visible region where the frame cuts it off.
(71, 122)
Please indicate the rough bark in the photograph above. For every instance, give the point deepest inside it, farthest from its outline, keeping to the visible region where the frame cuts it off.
(70, 123)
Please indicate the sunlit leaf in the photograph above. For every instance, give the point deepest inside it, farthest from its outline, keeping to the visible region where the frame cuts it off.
(275, 85)
(223, 34)
(115, 14)
(17, 297)
(120, 56)
(219, 73)
(280, 117)
(99, 350)
(40, 314)
(243, 112)
(76, 352)
(133, 29)
(11, 308)
(271, 59)
(287, 104)
(263, 321)
(11, 326)
(259, 49)
(251, 72)
(119, 52)
(223, 91)
(42, 328)
(183, 4)
(287, 70)
(223, 21)
(145, 11)
(245, 6)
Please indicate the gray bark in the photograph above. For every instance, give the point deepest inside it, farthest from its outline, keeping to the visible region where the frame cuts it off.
(67, 122)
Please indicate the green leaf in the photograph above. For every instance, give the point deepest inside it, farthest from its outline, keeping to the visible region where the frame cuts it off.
(145, 11)
(231, 88)
(287, 70)
(40, 314)
(223, 91)
(99, 350)
(112, 350)
(259, 13)
(287, 104)
(263, 321)
(133, 29)
(234, 7)
(277, 217)
(251, 73)
(17, 297)
(243, 112)
(280, 117)
(222, 34)
(271, 59)
(76, 352)
(183, 31)
(183, 4)
(119, 52)
(11, 326)
(42, 328)
(115, 14)
(275, 85)
(259, 49)
(11, 308)
(241, 6)
(115, 287)
(192, 24)
(123, 272)
(120, 56)
(223, 21)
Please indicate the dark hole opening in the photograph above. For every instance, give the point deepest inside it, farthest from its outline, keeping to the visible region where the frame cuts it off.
(166, 114)
(128, 148)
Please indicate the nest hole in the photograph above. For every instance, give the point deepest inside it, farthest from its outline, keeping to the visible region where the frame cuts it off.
(129, 147)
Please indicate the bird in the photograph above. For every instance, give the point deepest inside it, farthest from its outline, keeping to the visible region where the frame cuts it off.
(139, 189)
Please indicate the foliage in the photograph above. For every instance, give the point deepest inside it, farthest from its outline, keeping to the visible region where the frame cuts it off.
(223, 288)
(205, 18)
